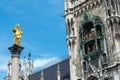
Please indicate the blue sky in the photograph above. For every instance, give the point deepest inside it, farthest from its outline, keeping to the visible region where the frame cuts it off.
(43, 30)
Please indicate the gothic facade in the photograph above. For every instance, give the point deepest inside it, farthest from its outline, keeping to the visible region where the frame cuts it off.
(93, 39)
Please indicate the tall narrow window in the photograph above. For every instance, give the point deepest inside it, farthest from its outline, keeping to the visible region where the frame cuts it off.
(69, 45)
(72, 22)
(85, 66)
(107, 2)
(98, 30)
(104, 59)
(109, 12)
(68, 29)
(73, 31)
(73, 45)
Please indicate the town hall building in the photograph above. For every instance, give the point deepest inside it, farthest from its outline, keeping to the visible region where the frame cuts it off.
(93, 39)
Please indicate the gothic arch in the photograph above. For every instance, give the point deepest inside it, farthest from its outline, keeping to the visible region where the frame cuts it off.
(72, 22)
(69, 44)
(89, 7)
(97, 2)
(75, 15)
(73, 31)
(93, 4)
(78, 13)
(73, 44)
(68, 27)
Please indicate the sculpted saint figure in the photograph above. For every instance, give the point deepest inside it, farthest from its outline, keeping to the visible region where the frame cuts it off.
(17, 34)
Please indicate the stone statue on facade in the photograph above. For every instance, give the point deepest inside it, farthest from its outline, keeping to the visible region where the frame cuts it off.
(17, 34)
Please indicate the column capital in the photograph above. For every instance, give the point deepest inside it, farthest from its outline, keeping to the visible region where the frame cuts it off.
(15, 49)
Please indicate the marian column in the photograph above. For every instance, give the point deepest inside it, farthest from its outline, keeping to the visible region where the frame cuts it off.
(15, 51)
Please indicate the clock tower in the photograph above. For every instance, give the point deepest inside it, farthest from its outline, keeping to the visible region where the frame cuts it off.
(93, 39)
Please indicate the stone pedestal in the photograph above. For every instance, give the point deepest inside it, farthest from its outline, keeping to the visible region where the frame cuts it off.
(16, 66)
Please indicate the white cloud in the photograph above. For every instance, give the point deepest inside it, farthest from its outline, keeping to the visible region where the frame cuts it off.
(45, 62)
(3, 67)
(4, 54)
(36, 52)
(40, 64)
(4, 62)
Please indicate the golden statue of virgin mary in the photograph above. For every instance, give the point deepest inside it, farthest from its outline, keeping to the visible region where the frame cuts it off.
(17, 34)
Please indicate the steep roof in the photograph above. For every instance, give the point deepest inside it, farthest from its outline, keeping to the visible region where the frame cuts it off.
(50, 73)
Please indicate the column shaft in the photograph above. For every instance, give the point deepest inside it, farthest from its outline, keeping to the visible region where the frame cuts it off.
(15, 67)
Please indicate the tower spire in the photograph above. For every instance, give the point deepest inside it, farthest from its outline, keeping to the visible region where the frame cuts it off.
(42, 76)
(29, 63)
(58, 72)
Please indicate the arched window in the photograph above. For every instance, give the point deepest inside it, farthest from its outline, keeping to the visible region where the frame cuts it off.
(109, 13)
(92, 78)
(106, 79)
(85, 66)
(73, 45)
(78, 13)
(69, 45)
(68, 27)
(104, 59)
(72, 22)
(73, 32)
(90, 46)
